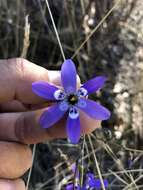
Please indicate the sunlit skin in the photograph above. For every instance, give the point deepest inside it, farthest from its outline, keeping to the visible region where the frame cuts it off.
(19, 119)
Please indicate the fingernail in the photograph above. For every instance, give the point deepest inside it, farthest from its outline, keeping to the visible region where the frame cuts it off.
(7, 185)
(12, 184)
(55, 77)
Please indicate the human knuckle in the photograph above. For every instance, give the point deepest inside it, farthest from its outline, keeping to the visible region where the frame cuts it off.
(21, 128)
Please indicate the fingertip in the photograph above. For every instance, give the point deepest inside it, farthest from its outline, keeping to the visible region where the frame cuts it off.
(88, 124)
(15, 159)
(55, 77)
(12, 184)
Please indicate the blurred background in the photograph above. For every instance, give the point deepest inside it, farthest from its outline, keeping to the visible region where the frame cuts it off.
(114, 50)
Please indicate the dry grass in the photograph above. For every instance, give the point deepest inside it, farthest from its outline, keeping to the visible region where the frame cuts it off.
(94, 33)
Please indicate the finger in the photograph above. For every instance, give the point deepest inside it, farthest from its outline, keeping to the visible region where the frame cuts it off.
(16, 77)
(25, 128)
(12, 184)
(13, 106)
(88, 124)
(15, 160)
(17, 106)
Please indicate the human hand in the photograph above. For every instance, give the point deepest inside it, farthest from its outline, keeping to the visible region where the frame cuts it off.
(20, 111)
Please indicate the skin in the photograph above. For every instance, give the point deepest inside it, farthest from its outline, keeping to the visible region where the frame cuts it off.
(20, 110)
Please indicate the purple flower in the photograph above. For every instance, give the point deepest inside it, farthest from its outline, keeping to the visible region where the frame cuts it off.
(70, 100)
(93, 182)
(90, 179)
(71, 187)
(90, 183)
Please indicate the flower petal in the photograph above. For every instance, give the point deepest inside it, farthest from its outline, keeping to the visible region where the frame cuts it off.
(82, 92)
(94, 84)
(73, 130)
(73, 113)
(68, 76)
(97, 183)
(75, 171)
(59, 95)
(71, 187)
(90, 179)
(93, 109)
(44, 90)
(51, 116)
(106, 183)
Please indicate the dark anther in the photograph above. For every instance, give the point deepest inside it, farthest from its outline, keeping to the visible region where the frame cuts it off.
(72, 99)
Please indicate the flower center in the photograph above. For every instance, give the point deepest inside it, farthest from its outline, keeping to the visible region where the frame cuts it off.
(72, 99)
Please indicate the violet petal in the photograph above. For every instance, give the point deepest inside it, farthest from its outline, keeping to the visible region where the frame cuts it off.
(93, 109)
(68, 76)
(106, 183)
(44, 89)
(71, 187)
(94, 84)
(97, 183)
(51, 116)
(73, 130)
